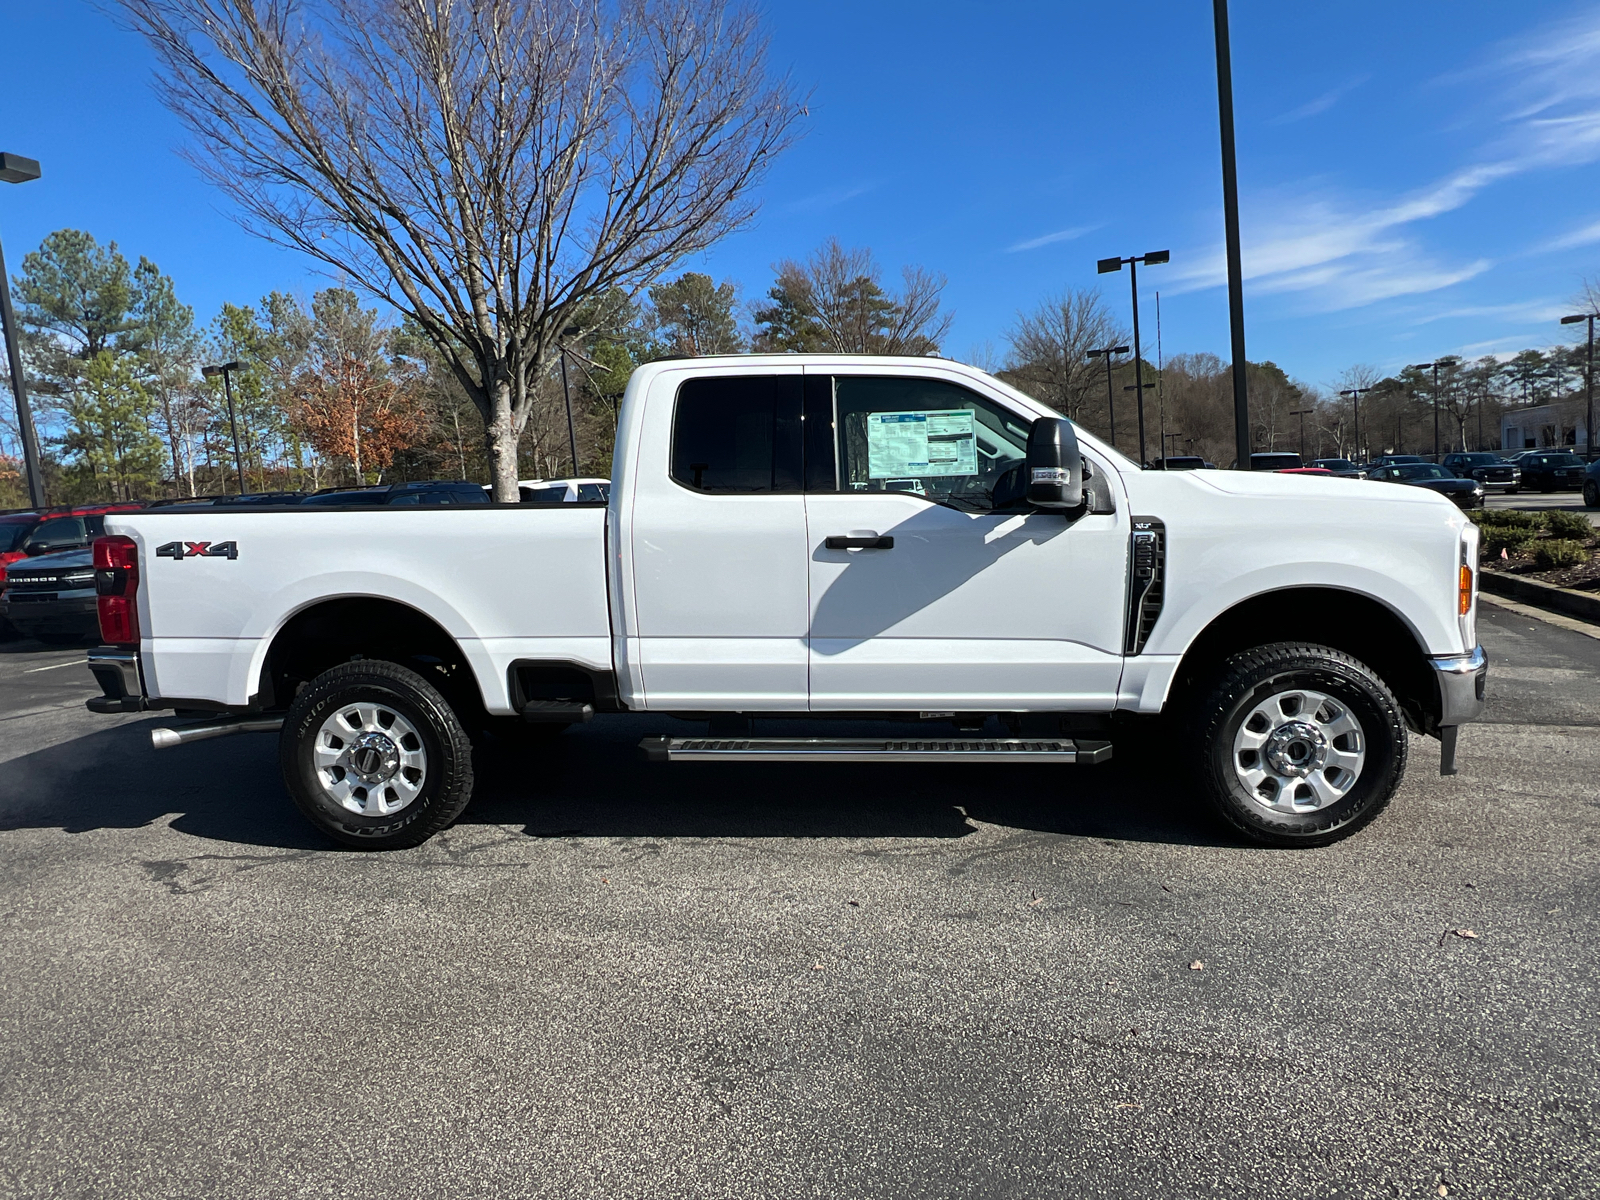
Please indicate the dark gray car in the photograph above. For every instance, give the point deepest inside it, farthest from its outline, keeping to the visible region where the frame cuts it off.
(52, 598)
(1468, 493)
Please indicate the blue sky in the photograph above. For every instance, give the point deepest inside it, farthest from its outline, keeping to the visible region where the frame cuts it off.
(1418, 178)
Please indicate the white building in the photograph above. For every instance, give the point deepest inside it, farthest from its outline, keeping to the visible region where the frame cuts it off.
(1543, 427)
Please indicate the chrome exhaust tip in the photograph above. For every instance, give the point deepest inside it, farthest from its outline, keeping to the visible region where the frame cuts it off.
(164, 739)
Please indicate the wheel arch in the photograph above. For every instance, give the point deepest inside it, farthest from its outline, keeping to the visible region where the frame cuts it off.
(1359, 624)
(330, 631)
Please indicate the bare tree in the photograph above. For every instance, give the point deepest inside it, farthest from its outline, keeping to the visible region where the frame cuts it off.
(487, 167)
(1050, 347)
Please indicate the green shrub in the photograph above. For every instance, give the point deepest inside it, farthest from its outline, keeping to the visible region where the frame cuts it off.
(1507, 519)
(1512, 541)
(1559, 552)
(1568, 525)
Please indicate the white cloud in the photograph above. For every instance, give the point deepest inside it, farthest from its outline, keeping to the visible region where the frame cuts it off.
(1587, 236)
(1527, 312)
(830, 198)
(1049, 239)
(1321, 104)
(1345, 250)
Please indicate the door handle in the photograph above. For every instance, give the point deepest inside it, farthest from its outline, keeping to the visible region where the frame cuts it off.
(859, 543)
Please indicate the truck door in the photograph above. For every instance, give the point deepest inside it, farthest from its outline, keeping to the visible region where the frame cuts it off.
(924, 595)
(719, 546)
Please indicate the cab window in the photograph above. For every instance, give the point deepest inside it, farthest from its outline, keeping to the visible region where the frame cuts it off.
(925, 437)
(738, 434)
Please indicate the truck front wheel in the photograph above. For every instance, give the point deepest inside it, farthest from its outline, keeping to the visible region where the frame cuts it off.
(375, 757)
(1298, 744)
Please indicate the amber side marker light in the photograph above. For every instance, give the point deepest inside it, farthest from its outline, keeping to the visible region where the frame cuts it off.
(1466, 589)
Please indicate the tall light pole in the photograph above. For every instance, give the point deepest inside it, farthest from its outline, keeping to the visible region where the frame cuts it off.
(1107, 265)
(226, 371)
(1424, 367)
(16, 169)
(1141, 388)
(1588, 419)
(1106, 352)
(1301, 413)
(1355, 403)
(1230, 221)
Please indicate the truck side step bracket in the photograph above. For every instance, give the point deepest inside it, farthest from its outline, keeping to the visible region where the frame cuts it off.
(1054, 750)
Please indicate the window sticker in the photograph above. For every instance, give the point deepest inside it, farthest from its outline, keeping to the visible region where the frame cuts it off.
(933, 442)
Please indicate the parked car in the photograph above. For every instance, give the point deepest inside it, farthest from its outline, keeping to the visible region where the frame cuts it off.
(1468, 493)
(1180, 462)
(1305, 471)
(1494, 472)
(248, 500)
(429, 493)
(1393, 460)
(1551, 471)
(1275, 461)
(29, 533)
(564, 491)
(51, 597)
(1342, 467)
(743, 575)
(1591, 485)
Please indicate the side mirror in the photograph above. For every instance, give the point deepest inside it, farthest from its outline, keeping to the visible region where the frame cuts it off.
(1055, 467)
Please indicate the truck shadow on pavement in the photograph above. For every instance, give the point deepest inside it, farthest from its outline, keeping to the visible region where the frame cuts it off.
(593, 782)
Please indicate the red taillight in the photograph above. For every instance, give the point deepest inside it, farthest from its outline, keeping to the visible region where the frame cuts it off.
(116, 582)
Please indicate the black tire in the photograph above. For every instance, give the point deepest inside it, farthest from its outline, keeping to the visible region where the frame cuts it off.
(1254, 675)
(447, 776)
(1591, 495)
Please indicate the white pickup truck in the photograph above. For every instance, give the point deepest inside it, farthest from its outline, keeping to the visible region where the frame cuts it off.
(829, 537)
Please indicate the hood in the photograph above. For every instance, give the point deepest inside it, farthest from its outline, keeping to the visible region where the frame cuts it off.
(1279, 486)
(52, 564)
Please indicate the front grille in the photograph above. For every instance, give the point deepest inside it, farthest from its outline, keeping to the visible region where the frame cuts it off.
(1147, 575)
(52, 582)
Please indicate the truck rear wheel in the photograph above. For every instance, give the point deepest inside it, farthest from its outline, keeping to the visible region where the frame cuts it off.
(375, 757)
(1298, 744)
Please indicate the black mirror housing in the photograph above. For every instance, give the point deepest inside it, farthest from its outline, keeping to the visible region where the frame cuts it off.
(1055, 465)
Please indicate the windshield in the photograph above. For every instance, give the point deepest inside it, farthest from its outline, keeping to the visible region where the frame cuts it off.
(1335, 464)
(1422, 471)
(1563, 460)
(333, 498)
(1479, 460)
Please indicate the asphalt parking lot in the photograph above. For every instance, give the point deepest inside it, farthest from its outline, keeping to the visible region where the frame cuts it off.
(616, 979)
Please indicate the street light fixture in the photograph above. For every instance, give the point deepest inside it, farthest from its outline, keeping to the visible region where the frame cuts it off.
(1435, 367)
(1106, 352)
(16, 169)
(1588, 419)
(226, 371)
(1106, 266)
(1355, 395)
(1301, 413)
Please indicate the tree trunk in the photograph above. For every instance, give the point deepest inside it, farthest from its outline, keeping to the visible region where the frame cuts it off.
(501, 437)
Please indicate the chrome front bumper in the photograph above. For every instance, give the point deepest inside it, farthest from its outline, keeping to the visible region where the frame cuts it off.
(1461, 679)
(116, 670)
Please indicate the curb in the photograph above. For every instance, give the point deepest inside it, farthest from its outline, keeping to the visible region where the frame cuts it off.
(1583, 605)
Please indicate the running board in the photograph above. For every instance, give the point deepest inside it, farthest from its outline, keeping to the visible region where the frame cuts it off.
(1054, 750)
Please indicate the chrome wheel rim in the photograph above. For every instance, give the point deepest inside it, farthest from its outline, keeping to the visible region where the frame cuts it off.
(1298, 751)
(369, 759)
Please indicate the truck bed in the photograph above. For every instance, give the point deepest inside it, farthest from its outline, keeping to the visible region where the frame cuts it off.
(505, 582)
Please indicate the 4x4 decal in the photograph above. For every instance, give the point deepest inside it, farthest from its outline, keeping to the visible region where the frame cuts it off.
(198, 550)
